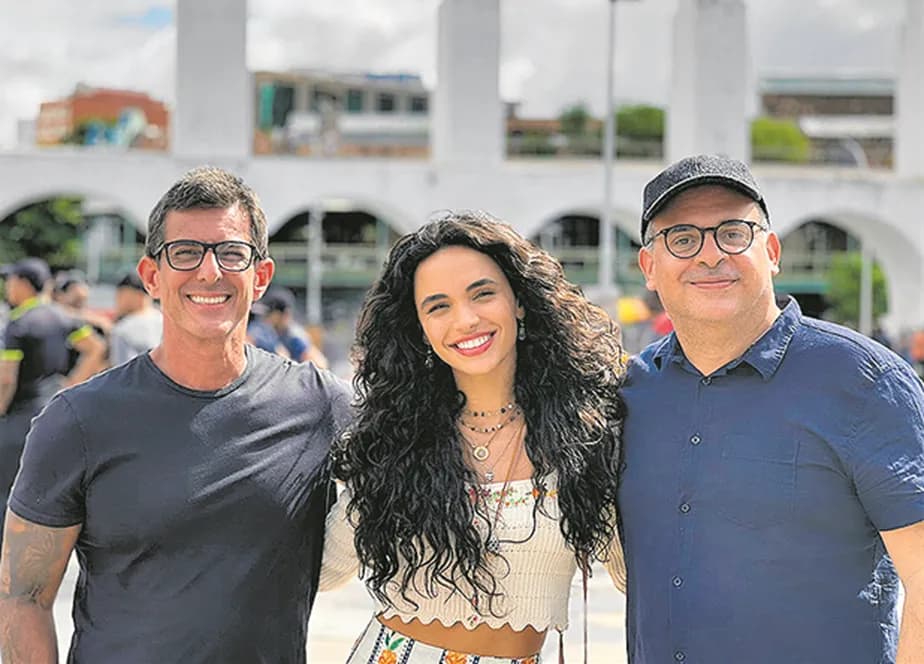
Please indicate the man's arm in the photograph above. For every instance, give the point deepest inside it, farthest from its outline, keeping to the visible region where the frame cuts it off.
(906, 548)
(92, 351)
(9, 374)
(32, 565)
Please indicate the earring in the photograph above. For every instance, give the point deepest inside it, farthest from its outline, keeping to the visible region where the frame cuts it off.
(521, 329)
(428, 358)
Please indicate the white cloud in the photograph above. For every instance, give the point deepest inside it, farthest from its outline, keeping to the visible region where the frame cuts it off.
(553, 50)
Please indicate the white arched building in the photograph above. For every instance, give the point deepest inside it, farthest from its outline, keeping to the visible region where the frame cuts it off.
(213, 124)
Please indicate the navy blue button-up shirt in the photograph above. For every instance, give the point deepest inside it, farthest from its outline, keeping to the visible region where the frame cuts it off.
(752, 498)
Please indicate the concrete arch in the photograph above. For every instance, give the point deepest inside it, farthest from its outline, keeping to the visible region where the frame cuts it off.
(23, 199)
(897, 253)
(396, 218)
(624, 219)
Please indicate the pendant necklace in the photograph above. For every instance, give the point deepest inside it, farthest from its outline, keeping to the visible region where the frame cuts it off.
(483, 451)
(492, 544)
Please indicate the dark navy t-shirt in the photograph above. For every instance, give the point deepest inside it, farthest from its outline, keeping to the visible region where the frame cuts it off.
(202, 512)
(752, 499)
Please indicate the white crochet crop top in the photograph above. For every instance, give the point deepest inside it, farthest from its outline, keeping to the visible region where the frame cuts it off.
(536, 585)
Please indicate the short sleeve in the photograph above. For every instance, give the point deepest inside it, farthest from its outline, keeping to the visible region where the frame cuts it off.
(49, 489)
(341, 403)
(887, 451)
(13, 339)
(339, 563)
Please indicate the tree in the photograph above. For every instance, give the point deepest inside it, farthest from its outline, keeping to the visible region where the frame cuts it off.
(640, 131)
(574, 120)
(773, 139)
(844, 289)
(48, 229)
(641, 122)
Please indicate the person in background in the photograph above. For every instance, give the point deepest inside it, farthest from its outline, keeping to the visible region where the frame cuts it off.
(772, 495)
(280, 330)
(71, 292)
(138, 323)
(34, 360)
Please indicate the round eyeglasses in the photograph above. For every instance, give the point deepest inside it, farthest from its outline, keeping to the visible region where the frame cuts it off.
(733, 236)
(187, 255)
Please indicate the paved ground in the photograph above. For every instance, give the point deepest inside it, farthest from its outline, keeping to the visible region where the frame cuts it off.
(339, 617)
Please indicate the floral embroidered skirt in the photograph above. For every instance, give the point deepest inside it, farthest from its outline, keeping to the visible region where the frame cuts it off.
(381, 645)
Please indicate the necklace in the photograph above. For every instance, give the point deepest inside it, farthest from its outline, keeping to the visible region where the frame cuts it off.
(490, 413)
(483, 451)
(496, 427)
(489, 473)
(492, 544)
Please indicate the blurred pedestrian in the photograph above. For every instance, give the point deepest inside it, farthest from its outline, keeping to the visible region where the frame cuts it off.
(773, 491)
(190, 479)
(481, 471)
(71, 291)
(138, 323)
(34, 362)
(279, 307)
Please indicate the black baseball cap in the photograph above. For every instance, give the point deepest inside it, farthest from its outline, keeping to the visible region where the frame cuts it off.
(131, 280)
(278, 299)
(695, 171)
(33, 270)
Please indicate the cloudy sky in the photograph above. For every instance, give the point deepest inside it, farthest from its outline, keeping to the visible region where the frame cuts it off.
(553, 51)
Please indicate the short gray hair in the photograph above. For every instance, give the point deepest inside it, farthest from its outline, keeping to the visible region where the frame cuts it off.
(204, 188)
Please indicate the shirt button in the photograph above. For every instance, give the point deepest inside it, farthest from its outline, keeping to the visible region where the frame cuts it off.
(706, 381)
(680, 656)
(677, 582)
(685, 508)
(695, 439)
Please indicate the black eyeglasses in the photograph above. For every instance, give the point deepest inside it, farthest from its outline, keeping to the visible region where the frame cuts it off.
(187, 255)
(686, 240)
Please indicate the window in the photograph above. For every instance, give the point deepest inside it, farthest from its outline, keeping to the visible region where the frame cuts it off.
(385, 103)
(354, 101)
(419, 104)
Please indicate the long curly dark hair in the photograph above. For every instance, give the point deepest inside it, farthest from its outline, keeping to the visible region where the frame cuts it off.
(403, 456)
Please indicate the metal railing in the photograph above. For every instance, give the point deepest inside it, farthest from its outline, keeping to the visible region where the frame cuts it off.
(358, 265)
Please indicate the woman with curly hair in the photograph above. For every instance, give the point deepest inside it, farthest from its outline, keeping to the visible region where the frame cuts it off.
(481, 470)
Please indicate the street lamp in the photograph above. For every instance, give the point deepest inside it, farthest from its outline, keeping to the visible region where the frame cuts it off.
(607, 286)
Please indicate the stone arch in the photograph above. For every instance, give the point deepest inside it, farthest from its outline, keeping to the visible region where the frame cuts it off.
(572, 234)
(897, 253)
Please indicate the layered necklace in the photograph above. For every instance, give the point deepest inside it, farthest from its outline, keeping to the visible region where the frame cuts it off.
(481, 451)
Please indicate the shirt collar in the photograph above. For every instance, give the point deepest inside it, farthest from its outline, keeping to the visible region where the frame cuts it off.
(764, 355)
(31, 303)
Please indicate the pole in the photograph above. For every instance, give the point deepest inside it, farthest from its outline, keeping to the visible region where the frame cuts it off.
(866, 290)
(606, 221)
(313, 267)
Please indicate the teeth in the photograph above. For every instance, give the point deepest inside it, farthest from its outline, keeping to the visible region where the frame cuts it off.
(198, 299)
(474, 343)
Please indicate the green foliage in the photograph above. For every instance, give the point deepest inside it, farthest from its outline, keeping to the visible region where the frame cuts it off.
(48, 229)
(536, 143)
(773, 139)
(641, 122)
(844, 289)
(574, 120)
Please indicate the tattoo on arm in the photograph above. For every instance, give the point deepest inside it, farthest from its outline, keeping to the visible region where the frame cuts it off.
(32, 565)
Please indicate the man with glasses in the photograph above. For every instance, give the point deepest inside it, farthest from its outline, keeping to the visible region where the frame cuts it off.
(772, 487)
(190, 479)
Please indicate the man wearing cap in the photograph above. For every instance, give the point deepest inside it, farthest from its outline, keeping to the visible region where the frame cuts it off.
(276, 330)
(138, 322)
(34, 361)
(772, 490)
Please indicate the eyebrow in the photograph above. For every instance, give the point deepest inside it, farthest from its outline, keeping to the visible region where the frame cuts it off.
(472, 286)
